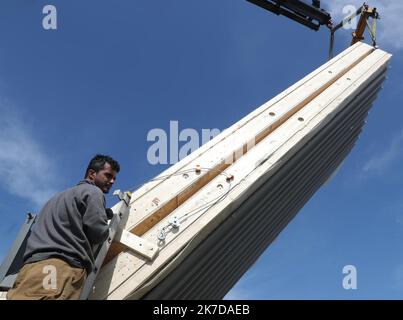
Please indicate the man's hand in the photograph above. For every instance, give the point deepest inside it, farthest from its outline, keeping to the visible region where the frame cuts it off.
(109, 213)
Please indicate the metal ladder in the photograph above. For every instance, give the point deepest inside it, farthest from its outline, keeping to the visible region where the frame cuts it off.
(14, 260)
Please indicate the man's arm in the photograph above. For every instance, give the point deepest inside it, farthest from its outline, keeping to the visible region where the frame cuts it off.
(95, 221)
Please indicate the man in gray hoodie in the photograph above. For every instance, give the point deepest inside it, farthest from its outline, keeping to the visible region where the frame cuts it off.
(59, 252)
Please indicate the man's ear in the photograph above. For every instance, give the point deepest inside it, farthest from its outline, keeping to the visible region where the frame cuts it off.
(91, 174)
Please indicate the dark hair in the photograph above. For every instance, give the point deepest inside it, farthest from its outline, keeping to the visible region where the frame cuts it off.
(98, 162)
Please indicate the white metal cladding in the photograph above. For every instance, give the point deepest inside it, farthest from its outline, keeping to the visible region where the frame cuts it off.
(276, 178)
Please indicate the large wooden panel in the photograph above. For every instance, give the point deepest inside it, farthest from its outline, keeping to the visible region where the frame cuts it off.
(300, 113)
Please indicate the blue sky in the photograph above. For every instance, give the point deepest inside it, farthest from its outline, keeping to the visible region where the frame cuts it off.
(114, 70)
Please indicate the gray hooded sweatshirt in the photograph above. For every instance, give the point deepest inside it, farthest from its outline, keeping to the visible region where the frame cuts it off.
(68, 226)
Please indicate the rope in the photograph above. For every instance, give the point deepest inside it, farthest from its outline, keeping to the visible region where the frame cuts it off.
(174, 224)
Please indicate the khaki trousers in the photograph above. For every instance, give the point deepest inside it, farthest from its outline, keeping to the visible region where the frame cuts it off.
(51, 279)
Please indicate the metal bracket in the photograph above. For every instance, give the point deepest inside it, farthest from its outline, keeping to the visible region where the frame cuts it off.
(123, 196)
(175, 223)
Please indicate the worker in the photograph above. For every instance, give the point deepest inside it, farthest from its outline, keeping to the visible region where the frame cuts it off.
(59, 252)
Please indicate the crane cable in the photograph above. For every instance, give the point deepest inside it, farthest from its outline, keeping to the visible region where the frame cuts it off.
(372, 31)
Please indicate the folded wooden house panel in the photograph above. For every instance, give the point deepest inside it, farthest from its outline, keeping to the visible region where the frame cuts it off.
(221, 152)
(213, 246)
(160, 197)
(224, 256)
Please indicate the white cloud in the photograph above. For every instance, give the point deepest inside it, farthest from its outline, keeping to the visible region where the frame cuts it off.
(389, 30)
(387, 157)
(25, 169)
